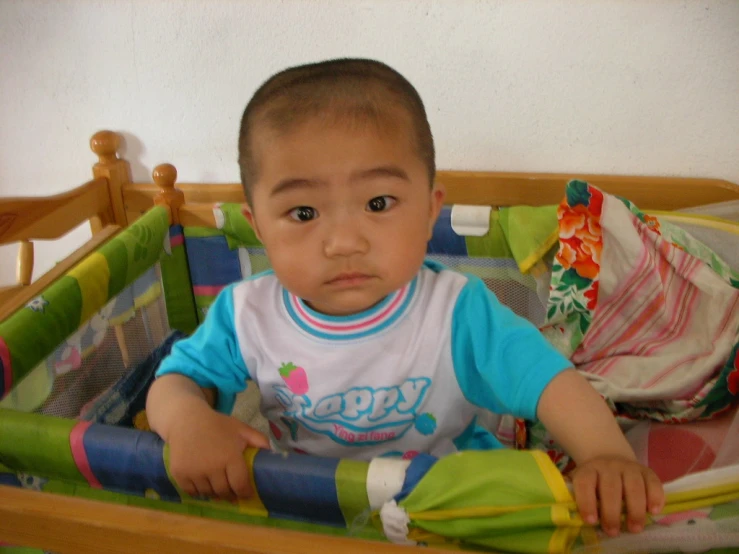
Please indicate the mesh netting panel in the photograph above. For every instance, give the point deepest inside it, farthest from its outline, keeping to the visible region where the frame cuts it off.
(724, 210)
(723, 243)
(123, 346)
(258, 259)
(514, 289)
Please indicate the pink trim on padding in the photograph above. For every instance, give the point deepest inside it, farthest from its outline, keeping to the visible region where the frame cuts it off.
(207, 290)
(7, 369)
(80, 456)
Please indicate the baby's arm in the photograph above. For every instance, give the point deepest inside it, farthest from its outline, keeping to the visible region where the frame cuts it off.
(607, 472)
(206, 447)
(203, 372)
(504, 364)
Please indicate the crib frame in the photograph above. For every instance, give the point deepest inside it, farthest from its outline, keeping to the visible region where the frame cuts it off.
(110, 202)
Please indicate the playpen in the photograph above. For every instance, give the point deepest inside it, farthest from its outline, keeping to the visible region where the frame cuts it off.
(80, 473)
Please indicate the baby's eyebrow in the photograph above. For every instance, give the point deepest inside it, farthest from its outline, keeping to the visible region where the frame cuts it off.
(291, 184)
(382, 171)
(287, 185)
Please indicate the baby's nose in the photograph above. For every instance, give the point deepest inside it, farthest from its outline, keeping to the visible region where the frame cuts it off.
(345, 238)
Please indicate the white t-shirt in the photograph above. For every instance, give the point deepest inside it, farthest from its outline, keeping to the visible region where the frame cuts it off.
(405, 376)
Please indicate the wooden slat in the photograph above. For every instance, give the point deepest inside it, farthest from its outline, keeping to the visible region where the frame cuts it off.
(212, 193)
(6, 293)
(515, 189)
(197, 215)
(52, 217)
(139, 197)
(24, 266)
(24, 295)
(508, 189)
(497, 189)
(77, 526)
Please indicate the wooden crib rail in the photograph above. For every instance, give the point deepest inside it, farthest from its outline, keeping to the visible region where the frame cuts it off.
(139, 197)
(70, 525)
(24, 220)
(192, 204)
(15, 297)
(541, 189)
(52, 217)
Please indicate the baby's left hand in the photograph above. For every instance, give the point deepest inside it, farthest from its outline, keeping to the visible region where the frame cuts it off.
(601, 484)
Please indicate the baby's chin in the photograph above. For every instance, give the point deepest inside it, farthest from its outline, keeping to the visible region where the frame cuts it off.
(345, 303)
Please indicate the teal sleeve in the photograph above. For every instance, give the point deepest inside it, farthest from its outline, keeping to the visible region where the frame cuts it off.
(502, 362)
(211, 357)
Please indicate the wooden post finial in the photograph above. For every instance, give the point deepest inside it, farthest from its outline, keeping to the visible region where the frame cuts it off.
(105, 144)
(115, 171)
(165, 176)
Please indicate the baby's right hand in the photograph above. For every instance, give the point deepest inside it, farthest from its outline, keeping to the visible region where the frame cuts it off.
(206, 454)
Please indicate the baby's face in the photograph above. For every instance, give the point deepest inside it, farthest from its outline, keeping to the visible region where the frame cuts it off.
(344, 214)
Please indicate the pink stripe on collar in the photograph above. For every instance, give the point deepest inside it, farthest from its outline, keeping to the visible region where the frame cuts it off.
(363, 325)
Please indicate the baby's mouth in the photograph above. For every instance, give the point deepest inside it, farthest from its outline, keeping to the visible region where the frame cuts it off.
(349, 278)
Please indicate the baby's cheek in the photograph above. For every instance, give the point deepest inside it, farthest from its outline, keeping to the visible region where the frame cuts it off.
(293, 273)
(408, 259)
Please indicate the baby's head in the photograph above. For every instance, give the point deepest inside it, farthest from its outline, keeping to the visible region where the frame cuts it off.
(337, 163)
(362, 93)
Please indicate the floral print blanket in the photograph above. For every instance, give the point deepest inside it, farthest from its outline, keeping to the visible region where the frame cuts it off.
(646, 312)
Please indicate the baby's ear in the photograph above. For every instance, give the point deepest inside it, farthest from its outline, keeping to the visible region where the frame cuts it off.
(438, 195)
(249, 215)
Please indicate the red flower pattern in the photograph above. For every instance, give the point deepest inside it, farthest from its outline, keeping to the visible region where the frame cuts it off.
(592, 295)
(580, 235)
(732, 380)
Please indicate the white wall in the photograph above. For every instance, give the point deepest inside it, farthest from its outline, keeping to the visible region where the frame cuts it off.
(638, 87)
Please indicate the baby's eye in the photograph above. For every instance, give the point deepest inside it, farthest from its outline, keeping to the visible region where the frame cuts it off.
(303, 213)
(381, 203)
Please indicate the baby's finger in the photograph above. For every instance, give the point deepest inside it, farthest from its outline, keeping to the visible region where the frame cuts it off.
(610, 493)
(253, 437)
(655, 492)
(238, 479)
(636, 500)
(187, 486)
(221, 488)
(585, 482)
(203, 488)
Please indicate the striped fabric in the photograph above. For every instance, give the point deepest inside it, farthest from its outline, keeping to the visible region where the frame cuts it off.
(648, 314)
(213, 264)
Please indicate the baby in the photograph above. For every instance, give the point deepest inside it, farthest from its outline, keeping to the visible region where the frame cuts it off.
(359, 346)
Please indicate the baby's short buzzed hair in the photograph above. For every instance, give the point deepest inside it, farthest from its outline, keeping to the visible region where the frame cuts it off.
(342, 89)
